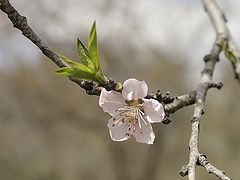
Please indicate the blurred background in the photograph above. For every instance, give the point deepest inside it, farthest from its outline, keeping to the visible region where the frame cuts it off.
(50, 129)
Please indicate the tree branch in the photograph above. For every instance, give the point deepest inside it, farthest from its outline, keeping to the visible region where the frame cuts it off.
(20, 22)
(219, 21)
(223, 41)
(202, 161)
(180, 102)
(201, 92)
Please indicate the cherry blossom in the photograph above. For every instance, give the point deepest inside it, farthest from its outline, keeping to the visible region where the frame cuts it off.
(132, 114)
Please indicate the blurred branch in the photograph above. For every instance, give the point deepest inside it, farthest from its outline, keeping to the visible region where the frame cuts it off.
(219, 22)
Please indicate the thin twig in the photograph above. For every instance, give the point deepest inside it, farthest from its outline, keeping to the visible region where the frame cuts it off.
(180, 102)
(202, 161)
(219, 22)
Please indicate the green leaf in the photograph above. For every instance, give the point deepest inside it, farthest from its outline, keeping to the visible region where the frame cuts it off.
(77, 73)
(83, 72)
(77, 65)
(101, 78)
(89, 68)
(93, 48)
(65, 71)
(83, 54)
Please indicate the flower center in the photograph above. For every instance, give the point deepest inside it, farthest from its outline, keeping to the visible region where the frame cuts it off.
(134, 102)
(132, 114)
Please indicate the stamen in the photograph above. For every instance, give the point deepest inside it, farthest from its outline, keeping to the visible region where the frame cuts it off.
(133, 113)
(139, 110)
(124, 109)
(134, 127)
(142, 118)
(139, 123)
(117, 120)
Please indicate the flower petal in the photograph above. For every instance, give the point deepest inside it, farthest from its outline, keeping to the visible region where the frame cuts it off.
(144, 134)
(118, 129)
(134, 89)
(153, 110)
(110, 101)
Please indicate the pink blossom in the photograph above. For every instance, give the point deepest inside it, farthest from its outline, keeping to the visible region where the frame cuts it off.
(132, 114)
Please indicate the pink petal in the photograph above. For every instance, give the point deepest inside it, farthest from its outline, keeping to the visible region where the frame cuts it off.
(110, 101)
(153, 110)
(144, 134)
(118, 129)
(134, 89)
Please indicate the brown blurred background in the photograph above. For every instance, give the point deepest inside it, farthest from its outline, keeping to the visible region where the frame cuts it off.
(50, 129)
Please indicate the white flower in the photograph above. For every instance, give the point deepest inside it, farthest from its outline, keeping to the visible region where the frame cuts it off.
(131, 112)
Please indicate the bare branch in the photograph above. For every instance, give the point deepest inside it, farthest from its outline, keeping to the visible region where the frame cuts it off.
(180, 102)
(223, 38)
(219, 21)
(202, 161)
(201, 93)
